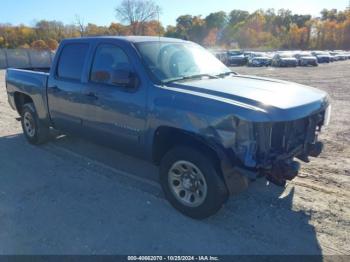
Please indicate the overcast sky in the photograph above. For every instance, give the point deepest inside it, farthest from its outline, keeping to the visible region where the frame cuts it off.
(101, 12)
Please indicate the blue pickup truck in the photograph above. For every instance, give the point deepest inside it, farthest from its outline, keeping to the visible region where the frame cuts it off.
(210, 130)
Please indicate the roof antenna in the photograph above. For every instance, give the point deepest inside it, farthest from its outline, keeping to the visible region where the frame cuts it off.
(159, 42)
(159, 29)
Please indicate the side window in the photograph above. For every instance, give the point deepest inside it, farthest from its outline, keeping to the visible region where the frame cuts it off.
(71, 62)
(108, 59)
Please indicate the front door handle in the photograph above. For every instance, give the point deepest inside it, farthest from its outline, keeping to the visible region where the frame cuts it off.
(54, 89)
(92, 95)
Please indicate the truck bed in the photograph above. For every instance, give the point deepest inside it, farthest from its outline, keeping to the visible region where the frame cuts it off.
(29, 82)
(36, 69)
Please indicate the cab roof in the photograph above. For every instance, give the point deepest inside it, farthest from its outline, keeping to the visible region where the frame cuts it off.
(133, 39)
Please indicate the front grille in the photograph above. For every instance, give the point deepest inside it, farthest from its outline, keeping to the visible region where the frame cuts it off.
(286, 139)
(277, 136)
(286, 136)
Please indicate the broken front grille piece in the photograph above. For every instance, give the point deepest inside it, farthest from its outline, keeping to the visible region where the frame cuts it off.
(286, 139)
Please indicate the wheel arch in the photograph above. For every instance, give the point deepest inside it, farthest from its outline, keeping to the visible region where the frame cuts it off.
(165, 138)
(20, 100)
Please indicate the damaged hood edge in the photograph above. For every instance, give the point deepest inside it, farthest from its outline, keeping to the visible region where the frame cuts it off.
(261, 99)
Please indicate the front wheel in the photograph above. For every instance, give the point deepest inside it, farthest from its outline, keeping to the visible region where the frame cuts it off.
(191, 182)
(35, 132)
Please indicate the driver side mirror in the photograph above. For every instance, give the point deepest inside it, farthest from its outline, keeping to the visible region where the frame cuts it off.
(125, 78)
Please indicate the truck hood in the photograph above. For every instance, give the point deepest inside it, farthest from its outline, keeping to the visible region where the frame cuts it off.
(279, 100)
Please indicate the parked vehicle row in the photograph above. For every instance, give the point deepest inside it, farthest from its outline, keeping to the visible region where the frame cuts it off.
(280, 58)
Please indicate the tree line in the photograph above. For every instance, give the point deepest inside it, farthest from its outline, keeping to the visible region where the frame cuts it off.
(262, 29)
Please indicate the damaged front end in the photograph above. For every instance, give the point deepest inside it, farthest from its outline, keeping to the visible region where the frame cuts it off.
(269, 149)
(279, 143)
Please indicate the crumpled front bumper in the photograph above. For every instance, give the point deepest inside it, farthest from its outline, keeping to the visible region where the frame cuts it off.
(278, 145)
(288, 169)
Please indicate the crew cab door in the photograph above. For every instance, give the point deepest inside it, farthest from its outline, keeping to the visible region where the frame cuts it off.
(115, 114)
(64, 89)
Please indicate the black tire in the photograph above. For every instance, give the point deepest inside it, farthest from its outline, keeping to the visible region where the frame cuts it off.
(38, 133)
(216, 193)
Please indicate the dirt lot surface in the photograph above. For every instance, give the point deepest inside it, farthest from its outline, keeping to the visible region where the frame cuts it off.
(74, 197)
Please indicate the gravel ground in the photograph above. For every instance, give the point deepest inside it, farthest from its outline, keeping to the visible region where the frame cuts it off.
(74, 197)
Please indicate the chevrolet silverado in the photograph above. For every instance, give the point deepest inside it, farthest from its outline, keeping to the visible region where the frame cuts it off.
(210, 131)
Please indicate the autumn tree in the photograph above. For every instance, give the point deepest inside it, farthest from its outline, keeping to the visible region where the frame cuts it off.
(2, 42)
(153, 28)
(50, 29)
(24, 46)
(119, 29)
(346, 32)
(95, 30)
(80, 25)
(297, 37)
(211, 38)
(52, 44)
(263, 29)
(197, 32)
(39, 45)
(136, 13)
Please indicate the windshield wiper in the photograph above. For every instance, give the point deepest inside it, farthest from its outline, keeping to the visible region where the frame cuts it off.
(226, 74)
(189, 77)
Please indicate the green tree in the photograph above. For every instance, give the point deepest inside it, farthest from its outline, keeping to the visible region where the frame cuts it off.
(331, 14)
(171, 31)
(184, 25)
(237, 16)
(216, 20)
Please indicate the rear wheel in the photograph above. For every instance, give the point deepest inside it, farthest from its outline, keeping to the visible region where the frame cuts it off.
(191, 182)
(35, 132)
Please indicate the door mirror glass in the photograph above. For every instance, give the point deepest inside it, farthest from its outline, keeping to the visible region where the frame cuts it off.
(125, 78)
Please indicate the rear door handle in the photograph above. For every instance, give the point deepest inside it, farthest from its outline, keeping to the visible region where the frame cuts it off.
(92, 95)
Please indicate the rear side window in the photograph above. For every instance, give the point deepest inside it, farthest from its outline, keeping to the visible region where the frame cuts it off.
(72, 61)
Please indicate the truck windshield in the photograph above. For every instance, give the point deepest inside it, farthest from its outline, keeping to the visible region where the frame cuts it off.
(179, 61)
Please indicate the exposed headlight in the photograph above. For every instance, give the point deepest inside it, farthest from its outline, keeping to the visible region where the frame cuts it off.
(327, 116)
(245, 143)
